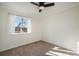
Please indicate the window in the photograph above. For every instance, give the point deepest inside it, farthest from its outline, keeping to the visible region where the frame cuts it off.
(20, 24)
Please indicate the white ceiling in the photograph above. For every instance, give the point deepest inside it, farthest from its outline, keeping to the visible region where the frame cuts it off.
(27, 7)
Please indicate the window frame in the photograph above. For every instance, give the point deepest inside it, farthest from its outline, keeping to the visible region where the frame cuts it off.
(12, 25)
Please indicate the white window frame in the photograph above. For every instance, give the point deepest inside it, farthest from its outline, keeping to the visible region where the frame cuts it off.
(12, 25)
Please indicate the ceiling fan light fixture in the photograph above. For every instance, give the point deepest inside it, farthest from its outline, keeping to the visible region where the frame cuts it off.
(41, 7)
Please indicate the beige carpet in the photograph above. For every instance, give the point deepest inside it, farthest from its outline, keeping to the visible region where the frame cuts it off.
(39, 48)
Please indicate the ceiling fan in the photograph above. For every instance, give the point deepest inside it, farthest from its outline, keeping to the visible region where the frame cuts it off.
(42, 5)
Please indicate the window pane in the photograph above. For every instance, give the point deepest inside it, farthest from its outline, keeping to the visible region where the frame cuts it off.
(21, 24)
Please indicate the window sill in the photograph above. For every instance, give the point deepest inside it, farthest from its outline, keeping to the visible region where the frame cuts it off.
(18, 33)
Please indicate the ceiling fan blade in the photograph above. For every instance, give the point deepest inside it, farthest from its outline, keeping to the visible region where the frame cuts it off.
(50, 4)
(34, 3)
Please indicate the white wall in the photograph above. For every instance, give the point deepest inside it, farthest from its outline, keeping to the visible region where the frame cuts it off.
(7, 40)
(62, 28)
